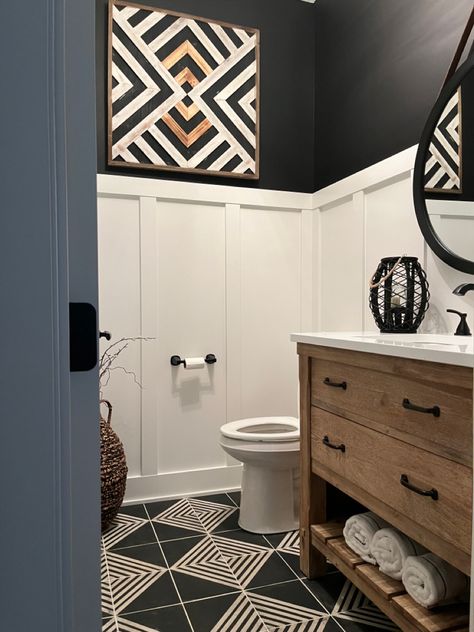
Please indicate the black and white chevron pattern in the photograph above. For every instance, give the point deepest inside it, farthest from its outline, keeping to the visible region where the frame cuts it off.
(240, 617)
(244, 559)
(279, 615)
(181, 515)
(210, 514)
(129, 578)
(105, 589)
(124, 625)
(252, 612)
(443, 164)
(204, 561)
(121, 527)
(195, 514)
(290, 543)
(352, 605)
(183, 93)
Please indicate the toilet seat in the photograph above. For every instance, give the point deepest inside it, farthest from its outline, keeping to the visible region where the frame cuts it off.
(264, 429)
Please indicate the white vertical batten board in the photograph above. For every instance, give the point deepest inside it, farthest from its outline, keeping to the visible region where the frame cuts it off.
(191, 322)
(233, 316)
(148, 329)
(120, 310)
(317, 270)
(358, 201)
(233, 311)
(307, 271)
(270, 250)
(342, 229)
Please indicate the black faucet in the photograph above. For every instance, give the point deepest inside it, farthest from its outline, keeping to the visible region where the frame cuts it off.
(461, 290)
(463, 327)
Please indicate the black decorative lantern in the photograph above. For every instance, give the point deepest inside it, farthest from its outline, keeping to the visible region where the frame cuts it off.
(399, 295)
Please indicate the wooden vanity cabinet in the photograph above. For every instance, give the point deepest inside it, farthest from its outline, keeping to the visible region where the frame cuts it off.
(394, 434)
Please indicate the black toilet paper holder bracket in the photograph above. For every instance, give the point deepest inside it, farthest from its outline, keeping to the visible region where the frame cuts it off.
(176, 360)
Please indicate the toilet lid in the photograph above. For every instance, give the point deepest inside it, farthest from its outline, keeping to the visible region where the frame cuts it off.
(263, 429)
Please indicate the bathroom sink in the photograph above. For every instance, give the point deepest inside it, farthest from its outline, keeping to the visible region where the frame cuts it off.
(410, 339)
(448, 349)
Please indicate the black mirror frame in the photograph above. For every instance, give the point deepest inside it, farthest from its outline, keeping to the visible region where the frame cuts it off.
(424, 222)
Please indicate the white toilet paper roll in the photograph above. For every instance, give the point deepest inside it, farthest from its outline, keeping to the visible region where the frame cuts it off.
(194, 363)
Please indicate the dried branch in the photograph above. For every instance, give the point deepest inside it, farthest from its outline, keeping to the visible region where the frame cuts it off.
(109, 357)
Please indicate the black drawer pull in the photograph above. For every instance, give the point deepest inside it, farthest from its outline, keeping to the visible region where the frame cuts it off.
(340, 447)
(342, 385)
(435, 410)
(433, 493)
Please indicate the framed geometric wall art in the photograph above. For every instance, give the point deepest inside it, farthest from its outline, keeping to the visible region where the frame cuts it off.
(183, 93)
(443, 168)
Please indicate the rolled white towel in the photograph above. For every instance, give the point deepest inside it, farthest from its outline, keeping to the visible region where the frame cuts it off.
(359, 531)
(390, 548)
(431, 581)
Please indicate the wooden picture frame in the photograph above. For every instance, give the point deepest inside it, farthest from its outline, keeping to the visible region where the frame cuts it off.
(172, 103)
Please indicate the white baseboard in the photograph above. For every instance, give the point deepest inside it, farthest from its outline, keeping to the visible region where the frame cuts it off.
(177, 484)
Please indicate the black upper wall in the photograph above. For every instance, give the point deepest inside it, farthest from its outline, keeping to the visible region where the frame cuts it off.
(379, 67)
(287, 88)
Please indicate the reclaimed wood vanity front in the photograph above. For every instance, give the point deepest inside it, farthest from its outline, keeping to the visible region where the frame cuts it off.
(394, 434)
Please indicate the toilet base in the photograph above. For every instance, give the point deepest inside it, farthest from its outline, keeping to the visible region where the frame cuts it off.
(269, 501)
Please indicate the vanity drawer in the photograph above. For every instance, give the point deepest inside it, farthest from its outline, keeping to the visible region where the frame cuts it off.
(381, 394)
(368, 464)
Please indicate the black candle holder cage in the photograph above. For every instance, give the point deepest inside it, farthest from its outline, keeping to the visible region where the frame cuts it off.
(399, 295)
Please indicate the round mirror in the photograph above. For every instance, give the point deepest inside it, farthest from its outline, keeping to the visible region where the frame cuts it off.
(443, 182)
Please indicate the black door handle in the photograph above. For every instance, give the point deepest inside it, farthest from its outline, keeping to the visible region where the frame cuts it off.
(82, 336)
(340, 447)
(432, 493)
(434, 410)
(342, 385)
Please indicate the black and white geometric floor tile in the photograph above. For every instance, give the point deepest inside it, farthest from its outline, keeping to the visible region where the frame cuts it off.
(290, 543)
(353, 606)
(206, 562)
(302, 612)
(180, 515)
(185, 566)
(123, 526)
(195, 514)
(130, 578)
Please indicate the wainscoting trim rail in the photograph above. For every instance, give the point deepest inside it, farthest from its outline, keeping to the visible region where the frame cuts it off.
(126, 186)
(375, 175)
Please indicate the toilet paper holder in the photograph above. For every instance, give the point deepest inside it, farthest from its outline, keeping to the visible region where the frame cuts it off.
(176, 360)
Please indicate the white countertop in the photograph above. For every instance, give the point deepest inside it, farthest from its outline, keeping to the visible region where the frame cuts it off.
(457, 350)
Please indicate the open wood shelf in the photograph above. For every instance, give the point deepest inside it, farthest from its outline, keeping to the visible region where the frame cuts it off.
(387, 594)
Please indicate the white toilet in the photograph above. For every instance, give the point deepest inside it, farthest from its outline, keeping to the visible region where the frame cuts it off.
(269, 449)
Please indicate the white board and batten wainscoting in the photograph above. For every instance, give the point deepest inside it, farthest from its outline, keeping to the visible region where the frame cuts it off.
(232, 271)
(200, 269)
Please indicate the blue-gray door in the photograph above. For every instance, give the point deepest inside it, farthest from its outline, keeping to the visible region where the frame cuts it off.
(49, 443)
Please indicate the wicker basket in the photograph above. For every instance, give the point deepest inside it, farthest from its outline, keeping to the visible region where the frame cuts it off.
(113, 469)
